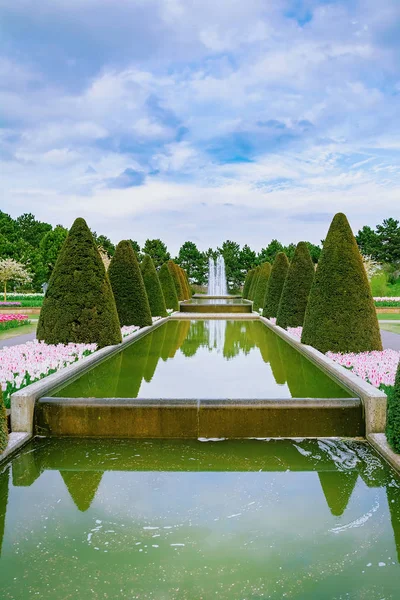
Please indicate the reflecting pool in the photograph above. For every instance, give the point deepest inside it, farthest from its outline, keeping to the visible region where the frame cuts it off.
(235, 520)
(206, 359)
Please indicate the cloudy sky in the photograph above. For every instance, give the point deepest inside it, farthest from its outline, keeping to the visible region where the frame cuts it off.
(201, 119)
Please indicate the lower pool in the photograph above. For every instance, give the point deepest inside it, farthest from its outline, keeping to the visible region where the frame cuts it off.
(234, 520)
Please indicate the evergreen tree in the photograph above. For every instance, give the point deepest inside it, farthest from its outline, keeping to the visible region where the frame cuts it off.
(50, 246)
(193, 262)
(3, 424)
(168, 288)
(262, 283)
(340, 314)
(253, 284)
(269, 253)
(247, 283)
(234, 274)
(296, 289)
(153, 288)
(79, 305)
(173, 269)
(157, 251)
(275, 285)
(393, 415)
(128, 286)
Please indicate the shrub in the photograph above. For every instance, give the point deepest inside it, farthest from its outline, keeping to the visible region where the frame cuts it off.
(189, 290)
(79, 305)
(296, 288)
(128, 286)
(262, 283)
(393, 414)
(253, 285)
(340, 315)
(153, 288)
(247, 283)
(177, 280)
(275, 285)
(379, 286)
(184, 285)
(3, 424)
(168, 288)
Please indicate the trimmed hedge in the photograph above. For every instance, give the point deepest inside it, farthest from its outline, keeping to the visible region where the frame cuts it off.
(340, 315)
(184, 284)
(296, 288)
(393, 415)
(153, 288)
(3, 424)
(79, 304)
(253, 285)
(247, 283)
(168, 287)
(275, 285)
(128, 286)
(186, 277)
(177, 280)
(262, 284)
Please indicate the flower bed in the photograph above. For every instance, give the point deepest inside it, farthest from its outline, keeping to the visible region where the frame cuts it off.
(11, 321)
(388, 301)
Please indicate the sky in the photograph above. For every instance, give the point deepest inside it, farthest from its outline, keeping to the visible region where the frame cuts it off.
(201, 120)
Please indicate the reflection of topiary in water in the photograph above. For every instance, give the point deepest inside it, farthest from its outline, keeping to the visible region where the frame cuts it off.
(3, 424)
(340, 315)
(128, 287)
(275, 285)
(262, 283)
(79, 305)
(82, 486)
(393, 415)
(296, 288)
(168, 288)
(153, 288)
(247, 283)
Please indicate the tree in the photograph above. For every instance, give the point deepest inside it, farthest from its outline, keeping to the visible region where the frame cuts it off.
(262, 283)
(136, 249)
(275, 285)
(289, 251)
(128, 287)
(102, 241)
(315, 252)
(173, 269)
(11, 270)
(368, 242)
(31, 230)
(157, 251)
(389, 237)
(3, 426)
(247, 260)
(340, 315)
(247, 283)
(194, 262)
(50, 246)
(296, 289)
(168, 288)
(153, 288)
(253, 284)
(79, 305)
(269, 253)
(393, 415)
(231, 253)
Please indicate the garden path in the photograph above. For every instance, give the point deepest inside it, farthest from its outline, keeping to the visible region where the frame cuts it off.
(390, 340)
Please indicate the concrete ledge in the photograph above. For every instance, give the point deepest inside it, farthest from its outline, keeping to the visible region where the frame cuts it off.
(381, 445)
(374, 400)
(215, 308)
(190, 316)
(15, 442)
(206, 297)
(23, 401)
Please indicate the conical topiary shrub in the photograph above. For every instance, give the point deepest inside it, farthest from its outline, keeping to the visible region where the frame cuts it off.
(3, 424)
(168, 288)
(177, 280)
(189, 291)
(247, 283)
(275, 285)
(79, 305)
(296, 288)
(153, 288)
(183, 282)
(253, 285)
(340, 315)
(262, 283)
(393, 415)
(128, 286)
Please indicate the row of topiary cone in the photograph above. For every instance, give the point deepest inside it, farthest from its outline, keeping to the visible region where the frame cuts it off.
(86, 304)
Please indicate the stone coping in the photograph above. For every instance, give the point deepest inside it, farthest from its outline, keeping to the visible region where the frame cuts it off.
(207, 297)
(189, 316)
(379, 442)
(15, 441)
(23, 401)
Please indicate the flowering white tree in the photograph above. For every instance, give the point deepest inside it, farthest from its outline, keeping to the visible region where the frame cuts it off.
(11, 270)
(104, 257)
(372, 267)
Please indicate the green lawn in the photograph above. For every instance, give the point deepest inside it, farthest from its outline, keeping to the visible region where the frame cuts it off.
(389, 316)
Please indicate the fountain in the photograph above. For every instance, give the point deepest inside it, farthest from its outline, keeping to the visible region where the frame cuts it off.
(216, 277)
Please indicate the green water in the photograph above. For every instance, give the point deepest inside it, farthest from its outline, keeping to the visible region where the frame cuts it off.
(234, 520)
(206, 359)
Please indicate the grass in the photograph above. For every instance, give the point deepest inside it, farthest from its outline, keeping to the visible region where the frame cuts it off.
(389, 317)
(13, 324)
(393, 328)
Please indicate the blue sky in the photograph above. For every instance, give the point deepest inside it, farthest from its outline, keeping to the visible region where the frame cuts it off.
(201, 120)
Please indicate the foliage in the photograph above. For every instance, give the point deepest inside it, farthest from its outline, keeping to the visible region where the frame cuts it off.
(185, 283)
(393, 415)
(247, 283)
(247, 259)
(12, 321)
(136, 249)
(3, 424)
(157, 251)
(340, 315)
(231, 253)
(262, 283)
(269, 253)
(296, 289)
(173, 269)
(153, 288)
(50, 246)
(102, 241)
(383, 243)
(275, 285)
(194, 262)
(79, 305)
(379, 284)
(11, 270)
(128, 287)
(253, 283)
(168, 287)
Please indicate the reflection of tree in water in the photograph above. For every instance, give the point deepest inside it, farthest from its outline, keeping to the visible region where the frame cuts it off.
(4, 479)
(260, 336)
(171, 336)
(133, 364)
(197, 337)
(337, 487)
(82, 486)
(157, 343)
(393, 497)
(276, 360)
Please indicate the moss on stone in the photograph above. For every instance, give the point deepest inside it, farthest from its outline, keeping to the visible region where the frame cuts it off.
(153, 288)
(262, 283)
(275, 285)
(168, 287)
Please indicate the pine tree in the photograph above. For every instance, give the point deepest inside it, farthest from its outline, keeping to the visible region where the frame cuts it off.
(262, 283)
(128, 287)
(340, 314)
(247, 283)
(177, 280)
(153, 288)
(79, 305)
(296, 289)
(275, 285)
(168, 288)
(3, 424)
